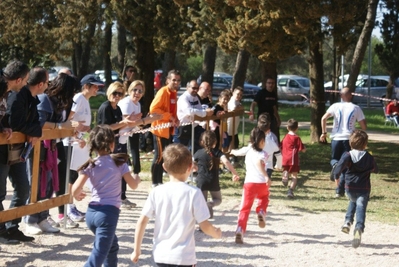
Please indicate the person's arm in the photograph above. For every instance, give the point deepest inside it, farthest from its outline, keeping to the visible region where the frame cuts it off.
(241, 152)
(252, 110)
(210, 230)
(323, 136)
(341, 165)
(230, 167)
(138, 238)
(77, 187)
(277, 115)
(157, 106)
(131, 181)
(363, 124)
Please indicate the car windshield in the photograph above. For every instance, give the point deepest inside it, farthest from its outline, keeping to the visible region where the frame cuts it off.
(304, 82)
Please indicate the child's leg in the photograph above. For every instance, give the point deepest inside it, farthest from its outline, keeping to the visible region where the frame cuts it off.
(102, 221)
(263, 198)
(248, 196)
(361, 206)
(216, 198)
(294, 180)
(350, 212)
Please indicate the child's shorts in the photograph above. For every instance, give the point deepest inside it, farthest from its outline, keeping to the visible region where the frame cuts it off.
(290, 168)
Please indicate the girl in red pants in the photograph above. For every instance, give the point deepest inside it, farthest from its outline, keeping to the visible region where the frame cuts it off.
(256, 184)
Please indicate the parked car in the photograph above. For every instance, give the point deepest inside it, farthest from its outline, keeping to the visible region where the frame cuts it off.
(101, 75)
(293, 87)
(223, 81)
(378, 88)
(53, 71)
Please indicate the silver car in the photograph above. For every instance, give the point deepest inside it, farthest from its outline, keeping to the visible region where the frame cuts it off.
(293, 87)
(378, 89)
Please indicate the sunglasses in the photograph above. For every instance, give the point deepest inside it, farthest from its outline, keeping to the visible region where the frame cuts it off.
(120, 94)
(194, 88)
(136, 90)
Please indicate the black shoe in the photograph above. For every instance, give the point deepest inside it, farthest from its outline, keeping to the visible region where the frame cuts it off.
(332, 178)
(20, 236)
(5, 239)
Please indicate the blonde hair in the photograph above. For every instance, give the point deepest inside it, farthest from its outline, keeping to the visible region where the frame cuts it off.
(113, 87)
(134, 84)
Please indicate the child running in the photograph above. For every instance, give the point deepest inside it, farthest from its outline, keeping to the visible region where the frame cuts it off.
(176, 206)
(103, 175)
(290, 147)
(358, 164)
(207, 160)
(256, 185)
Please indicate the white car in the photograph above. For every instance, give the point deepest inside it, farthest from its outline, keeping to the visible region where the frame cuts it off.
(293, 87)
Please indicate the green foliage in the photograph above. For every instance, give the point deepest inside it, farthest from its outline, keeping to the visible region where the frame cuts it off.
(194, 67)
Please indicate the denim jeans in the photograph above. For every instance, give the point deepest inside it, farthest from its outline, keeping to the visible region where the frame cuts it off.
(19, 180)
(357, 204)
(338, 148)
(102, 221)
(173, 265)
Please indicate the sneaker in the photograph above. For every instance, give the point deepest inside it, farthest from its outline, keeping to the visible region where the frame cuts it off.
(239, 236)
(33, 229)
(74, 214)
(290, 193)
(69, 223)
(285, 178)
(52, 222)
(19, 236)
(357, 238)
(261, 219)
(6, 239)
(47, 228)
(126, 204)
(332, 178)
(338, 195)
(346, 227)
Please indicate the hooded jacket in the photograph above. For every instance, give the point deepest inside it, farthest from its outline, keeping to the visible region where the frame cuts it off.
(357, 166)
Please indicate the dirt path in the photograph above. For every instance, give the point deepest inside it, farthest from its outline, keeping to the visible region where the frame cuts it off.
(291, 238)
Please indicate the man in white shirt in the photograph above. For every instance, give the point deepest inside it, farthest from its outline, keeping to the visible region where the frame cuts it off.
(189, 105)
(345, 115)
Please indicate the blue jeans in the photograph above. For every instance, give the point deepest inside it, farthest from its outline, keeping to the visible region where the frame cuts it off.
(102, 221)
(19, 180)
(357, 204)
(338, 148)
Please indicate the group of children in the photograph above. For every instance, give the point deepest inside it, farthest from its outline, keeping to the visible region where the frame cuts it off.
(176, 203)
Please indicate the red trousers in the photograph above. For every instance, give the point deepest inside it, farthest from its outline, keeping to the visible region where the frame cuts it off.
(249, 193)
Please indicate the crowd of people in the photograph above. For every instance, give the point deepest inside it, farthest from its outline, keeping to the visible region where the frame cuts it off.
(30, 103)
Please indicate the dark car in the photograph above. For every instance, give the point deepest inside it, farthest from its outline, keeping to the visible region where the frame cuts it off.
(223, 81)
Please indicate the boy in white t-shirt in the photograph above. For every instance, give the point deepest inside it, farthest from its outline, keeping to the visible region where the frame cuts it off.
(173, 205)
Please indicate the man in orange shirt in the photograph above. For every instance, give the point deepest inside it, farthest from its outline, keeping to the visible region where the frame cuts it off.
(164, 103)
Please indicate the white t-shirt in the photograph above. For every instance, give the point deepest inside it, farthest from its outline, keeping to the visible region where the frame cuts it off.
(176, 206)
(271, 146)
(253, 175)
(187, 106)
(127, 107)
(345, 116)
(232, 105)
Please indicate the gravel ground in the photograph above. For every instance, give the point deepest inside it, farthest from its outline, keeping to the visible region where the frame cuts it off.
(291, 238)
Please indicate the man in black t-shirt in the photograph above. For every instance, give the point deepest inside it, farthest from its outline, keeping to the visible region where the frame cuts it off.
(266, 100)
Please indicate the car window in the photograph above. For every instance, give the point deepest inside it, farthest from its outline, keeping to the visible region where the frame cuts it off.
(282, 82)
(304, 82)
(293, 83)
(381, 83)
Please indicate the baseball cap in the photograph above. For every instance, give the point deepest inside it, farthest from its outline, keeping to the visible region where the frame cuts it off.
(90, 79)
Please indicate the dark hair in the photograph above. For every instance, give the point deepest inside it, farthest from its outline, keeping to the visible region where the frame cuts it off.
(15, 69)
(175, 72)
(37, 75)
(177, 158)
(100, 139)
(126, 68)
(358, 140)
(292, 125)
(256, 136)
(238, 88)
(3, 86)
(208, 141)
(61, 91)
(264, 121)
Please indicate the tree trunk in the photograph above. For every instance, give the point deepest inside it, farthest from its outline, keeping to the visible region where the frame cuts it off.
(317, 103)
(208, 65)
(146, 65)
(362, 43)
(240, 68)
(269, 70)
(168, 63)
(121, 48)
(107, 53)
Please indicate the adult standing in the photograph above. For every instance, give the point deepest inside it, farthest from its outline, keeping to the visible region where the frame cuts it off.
(189, 105)
(345, 115)
(165, 104)
(266, 100)
(13, 78)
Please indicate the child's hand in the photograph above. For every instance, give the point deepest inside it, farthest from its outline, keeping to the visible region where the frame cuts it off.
(81, 196)
(236, 178)
(135, 256)
(233, 152)
(268, 181)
